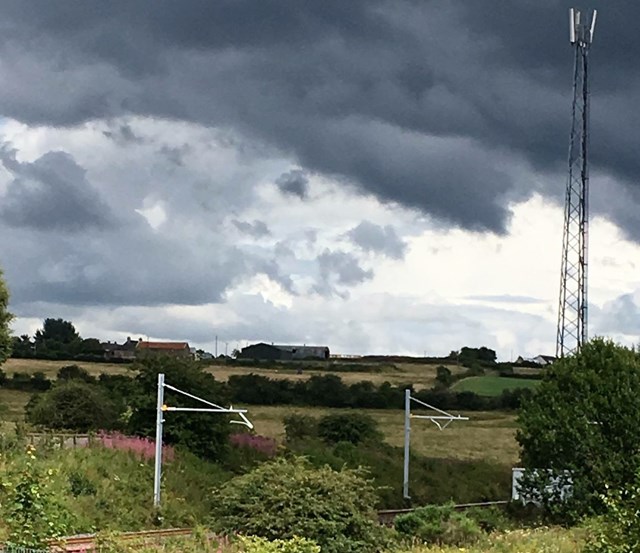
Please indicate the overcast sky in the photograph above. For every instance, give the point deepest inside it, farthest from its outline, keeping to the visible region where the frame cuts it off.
(375, 176)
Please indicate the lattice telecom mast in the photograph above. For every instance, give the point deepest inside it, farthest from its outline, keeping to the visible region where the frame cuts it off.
(572, 312)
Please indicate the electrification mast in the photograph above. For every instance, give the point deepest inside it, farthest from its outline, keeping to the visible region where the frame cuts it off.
(572, 311)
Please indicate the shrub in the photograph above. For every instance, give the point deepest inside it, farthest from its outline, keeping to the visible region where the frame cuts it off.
(248, 450)
(300, 426)
(262, 445)
(438, 524)
(354, 428)
(285, 498)
(618, 530)
(74, 406)
(490, 519)
(29, 506)
(74, 372)
(444, 377)
(581, 423)
(254, 544)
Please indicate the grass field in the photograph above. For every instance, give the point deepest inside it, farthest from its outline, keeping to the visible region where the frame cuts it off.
(489, 435)
(486, 435)
(421, 376)
(492, 386)
(50, 368)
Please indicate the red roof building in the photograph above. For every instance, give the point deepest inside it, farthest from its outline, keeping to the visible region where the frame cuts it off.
(174, 349)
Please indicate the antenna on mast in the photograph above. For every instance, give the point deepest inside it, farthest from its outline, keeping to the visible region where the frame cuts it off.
(573, 305)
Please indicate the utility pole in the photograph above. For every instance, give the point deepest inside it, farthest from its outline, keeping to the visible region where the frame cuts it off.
(573, 306)
(441, 419)
(216, 348)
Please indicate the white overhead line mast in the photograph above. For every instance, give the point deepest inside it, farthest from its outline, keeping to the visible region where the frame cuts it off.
(161, 408)
(438, 420)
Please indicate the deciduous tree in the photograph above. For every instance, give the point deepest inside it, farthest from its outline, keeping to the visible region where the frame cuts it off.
(5, 321)
(582, 424)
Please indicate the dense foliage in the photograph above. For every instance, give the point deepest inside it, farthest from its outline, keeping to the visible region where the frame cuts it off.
(352, 427)
(5, 320)
(287, 498)
(582, 426)
(73, 405)
(438, 524)
(618, 530)
(57, 339)
(205, 434)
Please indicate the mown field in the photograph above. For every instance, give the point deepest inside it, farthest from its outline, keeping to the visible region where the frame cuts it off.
(421, 376)
(492, 386)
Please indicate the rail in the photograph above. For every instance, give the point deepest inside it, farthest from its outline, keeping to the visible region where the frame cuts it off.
(86, 543)
(388, 516)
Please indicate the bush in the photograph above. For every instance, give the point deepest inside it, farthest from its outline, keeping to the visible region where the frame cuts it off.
(300, 426)
(581, 424)
(73, 406)
(74, 372)
(490, 519)
(284, 498)
(254, 544)
(354, 428)
(618, 530)
(438, 524)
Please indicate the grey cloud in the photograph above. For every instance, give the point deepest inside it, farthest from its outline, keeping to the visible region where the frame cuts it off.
(620, 316)
(375, 238)
(257, 229)
(507, 298)
(337, 270)
(282, 249)
(101, 256)
(51, 193)
(434, 107)
(294, 182)
(123, 134)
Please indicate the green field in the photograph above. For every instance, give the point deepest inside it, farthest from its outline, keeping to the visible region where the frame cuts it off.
(491, 386)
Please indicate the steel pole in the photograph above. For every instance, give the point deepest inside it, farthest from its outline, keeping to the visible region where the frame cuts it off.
(159, 421)
(407, 438)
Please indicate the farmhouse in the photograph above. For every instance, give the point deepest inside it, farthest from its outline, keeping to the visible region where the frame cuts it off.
(273, 352)
(120, 352)
(174, 349)
(541, 360)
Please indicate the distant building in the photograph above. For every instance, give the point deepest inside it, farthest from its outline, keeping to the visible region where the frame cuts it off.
(274, 352)
(541, 360)
(174, 349)
(120, 352)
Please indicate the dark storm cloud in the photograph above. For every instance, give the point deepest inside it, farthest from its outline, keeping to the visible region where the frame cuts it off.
(375, 238)
(425, 104)
(68, 240)
(294, 182)
(257, 229)
(51, 193)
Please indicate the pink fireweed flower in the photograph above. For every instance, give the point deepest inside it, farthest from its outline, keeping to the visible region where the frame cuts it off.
(143, 448)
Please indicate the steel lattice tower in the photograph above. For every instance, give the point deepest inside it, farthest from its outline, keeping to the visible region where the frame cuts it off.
(572, 312)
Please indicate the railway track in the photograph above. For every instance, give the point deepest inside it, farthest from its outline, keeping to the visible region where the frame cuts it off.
(388, 516)
(85, 543)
